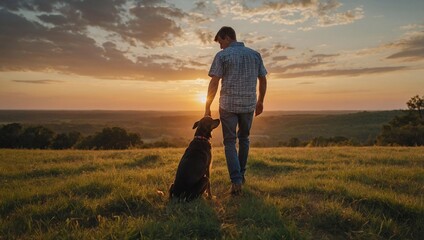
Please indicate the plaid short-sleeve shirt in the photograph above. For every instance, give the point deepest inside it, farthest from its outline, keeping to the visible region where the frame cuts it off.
(239, 68)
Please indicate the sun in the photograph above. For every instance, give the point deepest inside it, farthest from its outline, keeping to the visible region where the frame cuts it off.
(201, 97)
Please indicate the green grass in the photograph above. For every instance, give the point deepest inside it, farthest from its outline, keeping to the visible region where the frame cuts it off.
(290, 193)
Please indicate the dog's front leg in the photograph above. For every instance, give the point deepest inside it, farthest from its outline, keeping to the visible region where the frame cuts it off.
(208, 187)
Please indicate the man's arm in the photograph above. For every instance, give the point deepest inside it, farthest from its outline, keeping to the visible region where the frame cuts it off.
(212, 89)
(262, 91)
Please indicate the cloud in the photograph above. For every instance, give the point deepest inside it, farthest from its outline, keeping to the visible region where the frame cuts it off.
(305, 29)
(410, 48)
(275, 49)
(305, 83)
(341, 18)
(323, 13)
(311, 64)
(303, 66)
(412, 27)
(303, 63)
(327, 15)
(280, 58)
(200, 6)
(341, 72)
(152, 23)
(104, 13)
(33, 5)
(285, 12)
(351, 63)
(206, 37)
(322, 56)
(43, 81)
(343, 92)
(123, 39)
(67, 47)
(55, 19)
(252, 38)
(209, 10)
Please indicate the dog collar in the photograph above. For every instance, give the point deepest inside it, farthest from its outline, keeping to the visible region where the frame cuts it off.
(201, 138)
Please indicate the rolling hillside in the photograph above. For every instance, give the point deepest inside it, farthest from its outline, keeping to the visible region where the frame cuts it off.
(270, 129)
(290, 193)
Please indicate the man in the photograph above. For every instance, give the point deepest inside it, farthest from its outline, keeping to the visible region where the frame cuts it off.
(239, 68)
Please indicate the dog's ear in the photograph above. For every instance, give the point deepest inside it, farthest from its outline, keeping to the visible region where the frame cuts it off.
(215, 123)
(196, 124)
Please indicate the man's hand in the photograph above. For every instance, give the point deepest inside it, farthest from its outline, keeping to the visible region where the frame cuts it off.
(262, 91)
(212, 89)
(259, 108)
(208, 113)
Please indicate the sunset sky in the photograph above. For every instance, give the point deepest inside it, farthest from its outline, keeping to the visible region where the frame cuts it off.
(155, 55)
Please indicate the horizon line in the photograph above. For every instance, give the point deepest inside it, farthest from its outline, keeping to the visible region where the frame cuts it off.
(179, 110)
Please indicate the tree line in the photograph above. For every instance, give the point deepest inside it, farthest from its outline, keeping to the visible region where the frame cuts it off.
(38, 137)
(404, 130)
(15, 135)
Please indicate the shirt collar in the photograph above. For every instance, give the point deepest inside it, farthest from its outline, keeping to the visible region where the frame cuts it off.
(236, 44)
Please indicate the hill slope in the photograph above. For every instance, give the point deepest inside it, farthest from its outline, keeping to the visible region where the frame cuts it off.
(300, 193)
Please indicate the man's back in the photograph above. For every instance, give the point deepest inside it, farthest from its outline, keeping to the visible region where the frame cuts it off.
(239, 68)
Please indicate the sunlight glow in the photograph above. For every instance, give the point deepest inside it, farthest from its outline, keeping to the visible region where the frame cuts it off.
(201, 97)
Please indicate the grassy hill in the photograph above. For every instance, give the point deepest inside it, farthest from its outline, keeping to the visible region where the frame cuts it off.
(270, 129)
(290, 193)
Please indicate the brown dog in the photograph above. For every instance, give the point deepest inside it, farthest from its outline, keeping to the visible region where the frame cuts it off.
(193, 173)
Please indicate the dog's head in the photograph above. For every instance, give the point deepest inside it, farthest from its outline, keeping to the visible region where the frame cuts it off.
(205, 126)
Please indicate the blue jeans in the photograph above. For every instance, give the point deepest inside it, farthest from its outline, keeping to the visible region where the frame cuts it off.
(236, 162)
